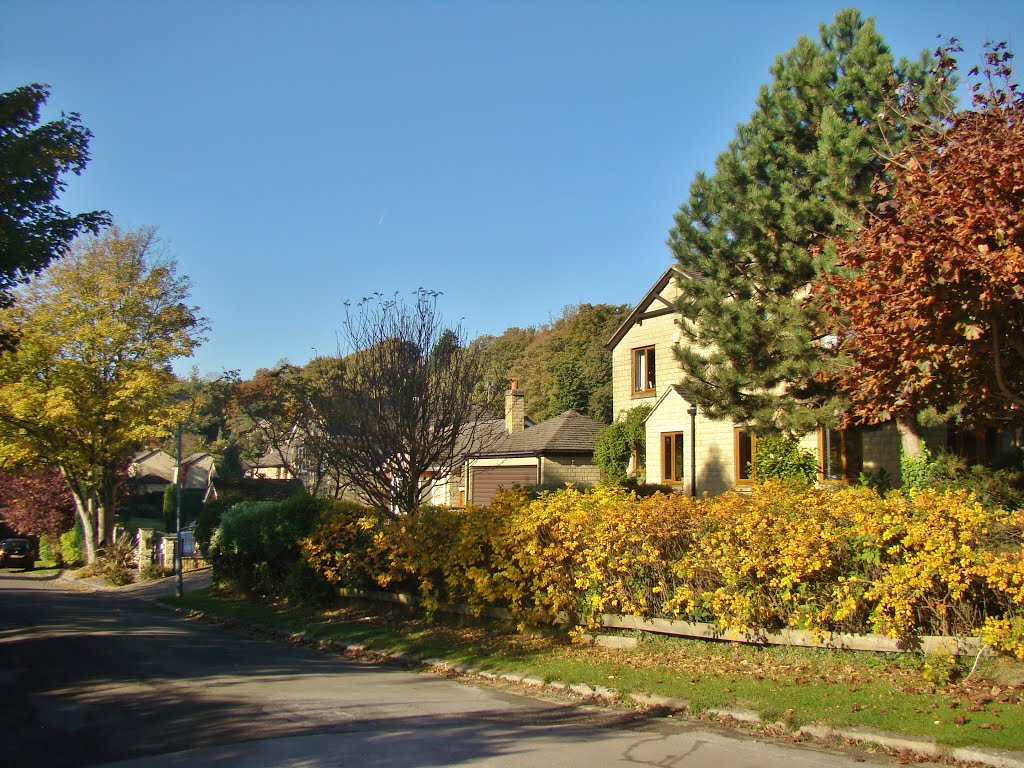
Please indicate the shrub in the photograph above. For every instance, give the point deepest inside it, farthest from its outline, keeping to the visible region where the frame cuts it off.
(116, 560)
(781, 458)
(617, 442)
(50, 550)
(72, 546)
(209, 518)
(257, 544)
(993, 487)
(784, 555)
(348, 546)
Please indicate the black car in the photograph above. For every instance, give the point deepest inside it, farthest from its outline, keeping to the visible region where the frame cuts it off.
(17, 552)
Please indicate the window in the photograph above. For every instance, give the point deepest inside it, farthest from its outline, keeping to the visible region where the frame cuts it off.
(673, 456)
(746, 450)
(842, 454)
(643, 371)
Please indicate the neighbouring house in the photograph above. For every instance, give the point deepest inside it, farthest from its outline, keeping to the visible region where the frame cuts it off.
(513, 451)
(252, 489)
(270, 466)
(151, 471)
(686, 449)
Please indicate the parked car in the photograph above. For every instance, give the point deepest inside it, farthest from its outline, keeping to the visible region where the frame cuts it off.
(17, 552)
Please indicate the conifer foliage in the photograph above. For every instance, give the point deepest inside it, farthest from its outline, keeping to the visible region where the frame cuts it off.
(798, 172)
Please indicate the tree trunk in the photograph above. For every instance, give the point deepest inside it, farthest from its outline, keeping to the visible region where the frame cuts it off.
(909, 428)
(84, 509)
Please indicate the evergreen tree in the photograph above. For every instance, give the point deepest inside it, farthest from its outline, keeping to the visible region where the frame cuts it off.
(800, 171)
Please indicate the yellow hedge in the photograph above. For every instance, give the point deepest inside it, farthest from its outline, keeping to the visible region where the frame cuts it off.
(782, 556)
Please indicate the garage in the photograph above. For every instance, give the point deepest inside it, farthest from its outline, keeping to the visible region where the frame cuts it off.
(485, 481)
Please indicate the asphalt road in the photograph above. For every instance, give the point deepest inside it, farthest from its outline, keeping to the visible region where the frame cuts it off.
(89, 678)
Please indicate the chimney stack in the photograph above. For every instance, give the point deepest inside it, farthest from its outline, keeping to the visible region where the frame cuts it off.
(515, 408)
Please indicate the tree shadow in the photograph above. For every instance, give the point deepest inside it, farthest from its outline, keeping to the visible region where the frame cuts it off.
(93, 678)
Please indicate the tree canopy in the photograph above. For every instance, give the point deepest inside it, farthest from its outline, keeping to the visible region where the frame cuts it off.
(88, 380)
(560, 365)
(927, 307)
(36, 502)
(34, 160)
(401, 405)
(798, 172)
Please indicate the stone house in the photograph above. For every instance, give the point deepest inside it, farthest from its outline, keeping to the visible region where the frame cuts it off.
(513, 451)
(684, 448)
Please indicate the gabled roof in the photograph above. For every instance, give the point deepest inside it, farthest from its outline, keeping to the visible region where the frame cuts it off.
(254, 488)
(569, 432)
(640, 311)
(674, 389)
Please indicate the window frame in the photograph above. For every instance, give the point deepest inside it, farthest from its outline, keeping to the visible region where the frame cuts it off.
(738, 434)
(844, 455)
(650, 370)
(676, 458)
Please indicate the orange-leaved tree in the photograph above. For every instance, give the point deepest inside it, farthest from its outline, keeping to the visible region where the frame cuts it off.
(927, 302)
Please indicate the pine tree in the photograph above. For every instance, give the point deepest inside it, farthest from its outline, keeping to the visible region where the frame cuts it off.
(800, 171)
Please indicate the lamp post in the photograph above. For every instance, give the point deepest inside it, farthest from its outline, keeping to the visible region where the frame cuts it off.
(693, 449)
(179, 586)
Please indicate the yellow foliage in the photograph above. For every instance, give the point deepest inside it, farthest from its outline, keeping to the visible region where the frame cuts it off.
(824, 560)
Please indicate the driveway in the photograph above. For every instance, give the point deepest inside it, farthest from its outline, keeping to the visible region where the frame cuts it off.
(106, 677)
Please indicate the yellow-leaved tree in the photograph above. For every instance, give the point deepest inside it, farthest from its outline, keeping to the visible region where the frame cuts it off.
(88, 376)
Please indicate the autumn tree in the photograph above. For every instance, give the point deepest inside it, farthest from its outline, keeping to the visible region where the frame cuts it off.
(798, 172)
(401, 408)
(561, 364)
(89, 378)
(34, 161)
(36, 502)
(927, 308)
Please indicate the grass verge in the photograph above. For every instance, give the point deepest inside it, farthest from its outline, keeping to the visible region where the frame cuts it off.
(909, 694)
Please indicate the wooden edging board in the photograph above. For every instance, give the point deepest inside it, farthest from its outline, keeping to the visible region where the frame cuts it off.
(789, 637)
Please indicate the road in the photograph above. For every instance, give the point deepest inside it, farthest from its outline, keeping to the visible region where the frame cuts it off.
(94, 678)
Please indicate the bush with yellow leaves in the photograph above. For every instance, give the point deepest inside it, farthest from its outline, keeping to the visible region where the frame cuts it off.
(784, 555)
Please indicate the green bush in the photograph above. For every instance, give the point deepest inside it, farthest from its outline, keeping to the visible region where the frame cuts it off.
(781, 458)
(50, 550)
(256, 547)
(994, 488)
(72, 546)
(209, 518)
(617, 442)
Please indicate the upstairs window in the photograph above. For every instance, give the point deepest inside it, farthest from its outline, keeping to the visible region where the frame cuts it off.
(643, 371)
(673, 454)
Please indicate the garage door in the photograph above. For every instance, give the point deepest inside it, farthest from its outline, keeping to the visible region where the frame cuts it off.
(487, 481)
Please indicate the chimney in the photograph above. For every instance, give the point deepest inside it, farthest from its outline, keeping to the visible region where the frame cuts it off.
(515, 408)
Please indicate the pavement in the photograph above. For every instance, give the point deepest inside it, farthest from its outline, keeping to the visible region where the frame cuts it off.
(288, 751)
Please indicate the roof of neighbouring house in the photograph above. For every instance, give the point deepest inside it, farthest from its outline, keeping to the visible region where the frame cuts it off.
(569, 432)
(254, 488)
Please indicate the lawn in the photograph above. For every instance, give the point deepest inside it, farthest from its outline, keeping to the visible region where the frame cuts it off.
(914, 695)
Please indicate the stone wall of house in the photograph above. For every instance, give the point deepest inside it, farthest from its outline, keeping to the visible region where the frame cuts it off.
(715, 447)
(882, 447)
(659, 332)
(579, 470)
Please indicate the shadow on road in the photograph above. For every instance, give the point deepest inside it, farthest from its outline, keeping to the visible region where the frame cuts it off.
(87, 678)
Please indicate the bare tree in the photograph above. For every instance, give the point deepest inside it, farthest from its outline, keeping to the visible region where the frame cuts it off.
(403, 407)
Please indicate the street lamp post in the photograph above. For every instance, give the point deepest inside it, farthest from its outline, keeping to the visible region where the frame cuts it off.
(179, 587)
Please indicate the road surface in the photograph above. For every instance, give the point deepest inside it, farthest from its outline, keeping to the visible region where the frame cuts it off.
(94, 678)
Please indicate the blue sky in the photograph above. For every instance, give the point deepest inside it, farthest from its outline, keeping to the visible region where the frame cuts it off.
(518, 156)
